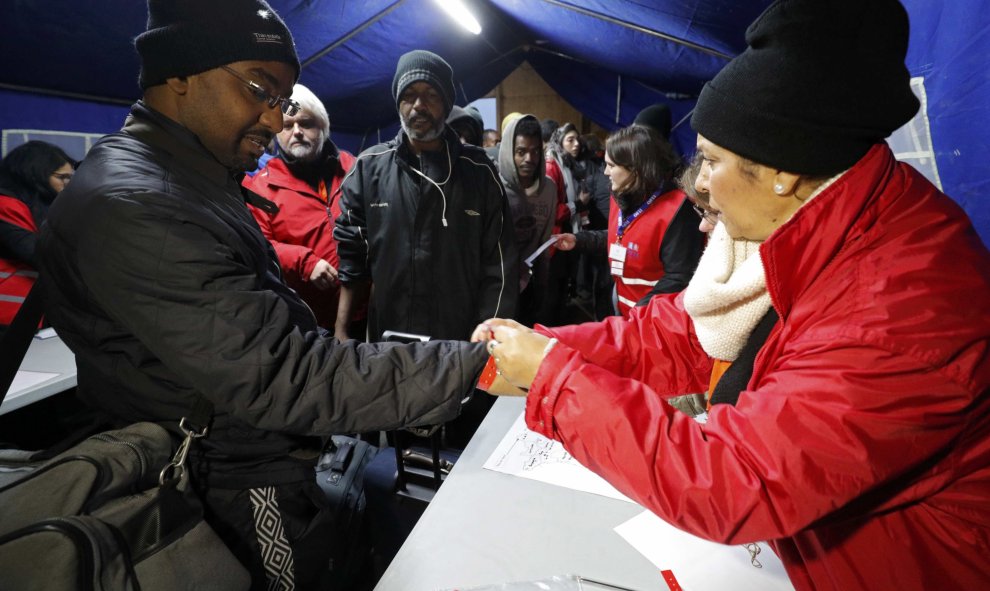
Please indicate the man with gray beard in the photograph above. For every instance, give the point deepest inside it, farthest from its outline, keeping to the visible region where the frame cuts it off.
(304, 182)
(424, 219)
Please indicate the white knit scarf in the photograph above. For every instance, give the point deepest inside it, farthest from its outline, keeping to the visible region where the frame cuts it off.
(727, 297)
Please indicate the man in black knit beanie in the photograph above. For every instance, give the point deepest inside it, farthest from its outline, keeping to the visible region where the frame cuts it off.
(426, 221)
(159, 280)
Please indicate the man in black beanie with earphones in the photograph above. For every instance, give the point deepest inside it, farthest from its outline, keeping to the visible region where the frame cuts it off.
(161, 283)
(424, 219)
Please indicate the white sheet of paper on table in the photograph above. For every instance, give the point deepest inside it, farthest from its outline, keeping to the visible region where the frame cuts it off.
(45, 333)
(530, 455)
(26, 379)
(700, 565)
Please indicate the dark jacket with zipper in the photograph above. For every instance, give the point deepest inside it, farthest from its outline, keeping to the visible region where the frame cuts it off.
(161, 283)
(434, 235)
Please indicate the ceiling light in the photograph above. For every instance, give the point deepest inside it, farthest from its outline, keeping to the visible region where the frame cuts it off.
(460, 13)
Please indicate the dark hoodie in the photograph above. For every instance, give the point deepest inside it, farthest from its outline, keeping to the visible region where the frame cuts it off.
(532, 214)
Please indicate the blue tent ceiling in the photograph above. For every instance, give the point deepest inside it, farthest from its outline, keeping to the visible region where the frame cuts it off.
(349, 48)
(608, 58)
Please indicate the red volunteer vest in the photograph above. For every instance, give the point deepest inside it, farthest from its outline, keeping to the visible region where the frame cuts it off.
(639, 272)
(16, 277)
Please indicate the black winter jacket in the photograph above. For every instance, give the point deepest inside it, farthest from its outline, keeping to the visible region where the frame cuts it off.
(161, 283)
(440, 252)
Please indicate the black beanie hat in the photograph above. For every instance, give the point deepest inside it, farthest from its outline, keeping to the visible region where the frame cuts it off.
(819, 84)
(186, 37)
(656, 117)
(472, 118)
(424, 66)
(474, 112)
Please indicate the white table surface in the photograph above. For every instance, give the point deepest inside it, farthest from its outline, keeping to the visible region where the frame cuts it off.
(485, 527)
(47, 356)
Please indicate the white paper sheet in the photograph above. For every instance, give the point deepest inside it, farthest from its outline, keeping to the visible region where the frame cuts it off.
(529, 260)
(26, 379)
(530, 455)
(45, 333)
(700, 565)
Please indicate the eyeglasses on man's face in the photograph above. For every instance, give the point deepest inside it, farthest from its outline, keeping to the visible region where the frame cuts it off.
(288, 106)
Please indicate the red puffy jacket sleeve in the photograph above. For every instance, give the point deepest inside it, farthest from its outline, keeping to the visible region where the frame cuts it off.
(793, 450)
(635, 349)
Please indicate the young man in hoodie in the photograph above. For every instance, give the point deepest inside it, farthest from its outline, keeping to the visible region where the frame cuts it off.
(533, 202)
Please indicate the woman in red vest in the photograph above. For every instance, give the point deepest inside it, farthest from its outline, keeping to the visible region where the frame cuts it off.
(31, 176)
(653, 242)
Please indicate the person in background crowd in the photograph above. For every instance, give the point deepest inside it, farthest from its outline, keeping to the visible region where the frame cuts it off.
(31, 176)
(656, 117)
(851, 296)
(492, 150)
(424, 219)
(596, 182)
(567, 153)
(157, 277)
(560, 165)
(304, 182)
(491, 141)
(594, 278)
(652, 242)
(594, 149)
(474, 112)
(547, 127)
(533, 202)
(467, 124)
(508, 119)
(491, 138)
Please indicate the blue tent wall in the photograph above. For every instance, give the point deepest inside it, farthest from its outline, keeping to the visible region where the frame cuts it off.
(23, 110)
(950, 48)
(607, 58)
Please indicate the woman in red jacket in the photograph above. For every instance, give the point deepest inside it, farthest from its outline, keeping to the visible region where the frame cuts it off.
(31, 176)
(851, 297)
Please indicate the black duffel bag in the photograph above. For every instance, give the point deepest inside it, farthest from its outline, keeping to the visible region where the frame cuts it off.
(105, 515)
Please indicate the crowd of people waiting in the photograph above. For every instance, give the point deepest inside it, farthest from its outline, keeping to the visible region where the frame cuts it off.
(835, 324)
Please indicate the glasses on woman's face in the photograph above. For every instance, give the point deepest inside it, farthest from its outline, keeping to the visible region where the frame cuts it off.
(706, 214)
(288, 106)
(62, 177)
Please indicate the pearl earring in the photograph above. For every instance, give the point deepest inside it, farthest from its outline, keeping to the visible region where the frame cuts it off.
(778, 188)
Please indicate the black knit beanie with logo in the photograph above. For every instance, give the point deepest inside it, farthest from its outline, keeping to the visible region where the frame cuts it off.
(186, 37)
(820, 82)
(424, 66)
